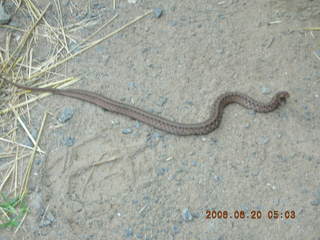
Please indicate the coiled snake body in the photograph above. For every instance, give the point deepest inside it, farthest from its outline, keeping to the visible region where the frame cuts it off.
(164, 124)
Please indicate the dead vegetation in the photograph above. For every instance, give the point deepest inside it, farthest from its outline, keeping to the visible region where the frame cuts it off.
(19, 63)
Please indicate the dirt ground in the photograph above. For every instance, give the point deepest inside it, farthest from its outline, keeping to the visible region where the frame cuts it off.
(124, 180)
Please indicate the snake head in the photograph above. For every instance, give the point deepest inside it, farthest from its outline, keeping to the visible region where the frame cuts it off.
(282, 96)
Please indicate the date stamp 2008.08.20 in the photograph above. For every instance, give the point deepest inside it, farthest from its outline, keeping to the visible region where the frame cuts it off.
(253, 214)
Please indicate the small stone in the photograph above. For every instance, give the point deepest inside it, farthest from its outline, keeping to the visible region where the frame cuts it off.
(265, 90)
(186, 214)
(157, 12)
(247, 125)
(188, 102)
(317, 52)
(38, 161)
(99, 6)
(175, 230)
(4, 17)
(132, 1)
(132, 85)
(65, 115)
(48, 220)
(154, 136)
(162, 101)
(220, 51)
(221, 16)
(315, 202)
(140, 235)
(76, 207)
(252, 112)
(127, 131)
(263, 140)
(68, 141)
(173, 23)
(161, 171)
(137, 124)
(128, 232)
(216, 178)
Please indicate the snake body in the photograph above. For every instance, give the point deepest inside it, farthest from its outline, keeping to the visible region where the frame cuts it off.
(176, 128)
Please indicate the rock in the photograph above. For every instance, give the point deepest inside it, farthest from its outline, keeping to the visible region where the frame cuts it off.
(186, 215)
(69, 141)
(65, 115)
(4, 17)
(315, 202)
(263, 140)
(48, 220)
(127, 131)
(265, 90)
(157, 12)
(162, 101)
(128, 233)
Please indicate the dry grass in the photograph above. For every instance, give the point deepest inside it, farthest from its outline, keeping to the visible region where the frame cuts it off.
(19, 63)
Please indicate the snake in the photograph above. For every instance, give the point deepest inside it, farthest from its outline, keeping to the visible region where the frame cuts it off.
(164, 124)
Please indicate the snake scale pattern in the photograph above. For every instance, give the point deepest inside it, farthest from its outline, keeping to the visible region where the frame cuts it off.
(172, 127)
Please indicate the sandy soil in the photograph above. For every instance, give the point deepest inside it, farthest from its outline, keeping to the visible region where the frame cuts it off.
(152, 185)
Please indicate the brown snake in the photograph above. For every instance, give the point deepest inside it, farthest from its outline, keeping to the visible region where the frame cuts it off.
(164, 124)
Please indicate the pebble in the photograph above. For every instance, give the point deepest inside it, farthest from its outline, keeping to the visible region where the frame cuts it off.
(65, 115)
(213, 141)
(186, 214)
(132, 85)
(127, 131)
(4, 17)
(157, 12)
(154, 136)
(220, 51)
(173, 23)
(161, 171)
(162, 101)
(141, 236)
(188, 102)
(69, 141)
(217, 178)
(221, 16)
(175, 230)
(315, 202)
(128, 232)
(252, 112)
(99, 6)
(48, 220)
(263, 140)
(265, 90)
(137, 124)
(317, 52)
(76, 207)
